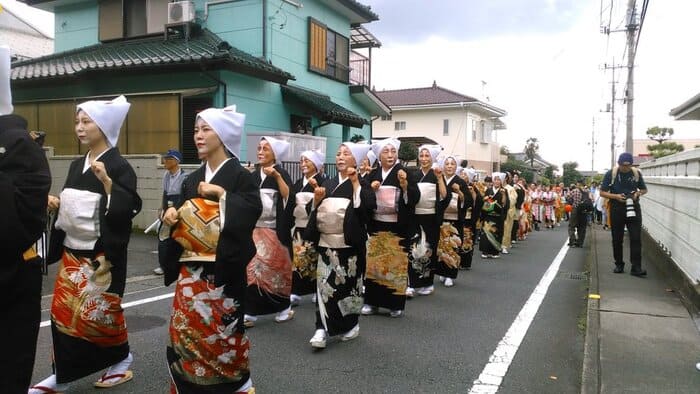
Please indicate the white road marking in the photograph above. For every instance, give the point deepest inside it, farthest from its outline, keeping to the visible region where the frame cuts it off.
(125, 305)
(489, 381)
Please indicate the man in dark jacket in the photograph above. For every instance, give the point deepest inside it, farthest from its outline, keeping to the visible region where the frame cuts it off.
(24, 187)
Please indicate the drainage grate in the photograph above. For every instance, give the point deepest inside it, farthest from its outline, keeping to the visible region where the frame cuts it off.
(573, 275)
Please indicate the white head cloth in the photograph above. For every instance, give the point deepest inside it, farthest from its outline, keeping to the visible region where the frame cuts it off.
(499, 175)
(371, 157)
(5, 93)
(109, 116)
(315, 157)
(227, 124)
(443, 159)
(380, 144)
(359, 151)
(279, 148)
(434, 150)
(472, 174)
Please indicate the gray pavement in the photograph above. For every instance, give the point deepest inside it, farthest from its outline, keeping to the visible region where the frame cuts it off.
(640, 337)
(440, 346)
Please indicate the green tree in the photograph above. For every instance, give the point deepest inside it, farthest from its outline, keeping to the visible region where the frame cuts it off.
(357, 138)
(660, 134)
(513, 165)
(570, 173)
(665, 149)
(530, 150)
(408, 152)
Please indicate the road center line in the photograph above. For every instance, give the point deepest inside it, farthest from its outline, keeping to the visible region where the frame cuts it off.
(491, 377)
(47, 323)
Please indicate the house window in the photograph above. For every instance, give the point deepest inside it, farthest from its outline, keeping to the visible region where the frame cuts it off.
(482, 132)
(473, 130)
(386, 117)
(445, 127)
(329, 52)
(131, 18)
(399, 126)
(300, 124)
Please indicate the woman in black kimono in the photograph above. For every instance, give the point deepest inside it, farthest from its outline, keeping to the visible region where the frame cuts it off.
(305, 255)
(270, 270)
(450, 252)
(90, 238)
(471, 219)
(434, 198)
(337, 225)
(392, 229)
(210, 247)
(493, 215)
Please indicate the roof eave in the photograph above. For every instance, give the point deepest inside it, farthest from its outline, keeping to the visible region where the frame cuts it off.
(689, 110)
(370, 100)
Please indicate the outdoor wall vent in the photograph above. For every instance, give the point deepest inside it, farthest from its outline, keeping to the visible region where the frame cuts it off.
(181, 12)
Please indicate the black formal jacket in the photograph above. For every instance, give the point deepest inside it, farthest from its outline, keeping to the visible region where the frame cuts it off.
(25, 181)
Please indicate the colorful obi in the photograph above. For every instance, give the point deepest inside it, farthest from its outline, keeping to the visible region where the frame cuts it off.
(198, 229)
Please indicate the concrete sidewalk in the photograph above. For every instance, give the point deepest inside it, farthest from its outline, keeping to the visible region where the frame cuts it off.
(640, 337)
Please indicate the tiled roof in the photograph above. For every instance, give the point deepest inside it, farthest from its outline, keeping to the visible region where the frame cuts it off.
(203, 47)
(360, 8)
(422, 96)
(322, 105)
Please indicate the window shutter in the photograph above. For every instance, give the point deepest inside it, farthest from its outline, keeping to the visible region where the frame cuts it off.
(317, 46)
(111, 20)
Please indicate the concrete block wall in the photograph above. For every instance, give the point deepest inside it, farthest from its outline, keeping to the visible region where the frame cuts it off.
(149, 172)
(671, 209)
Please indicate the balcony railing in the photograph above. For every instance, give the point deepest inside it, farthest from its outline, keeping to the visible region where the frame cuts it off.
(359, 69)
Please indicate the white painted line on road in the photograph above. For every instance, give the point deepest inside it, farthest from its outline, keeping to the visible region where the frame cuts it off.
(491, 376)
(47, 323)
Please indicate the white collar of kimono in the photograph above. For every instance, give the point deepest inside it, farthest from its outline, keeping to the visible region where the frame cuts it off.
(448, 180)
(386, 173)
(209, 173)
(305, 179)
(5, 70)
(109, 116)
(87, 163)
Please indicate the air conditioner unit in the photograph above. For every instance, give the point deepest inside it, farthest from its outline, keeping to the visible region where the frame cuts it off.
(181, 12)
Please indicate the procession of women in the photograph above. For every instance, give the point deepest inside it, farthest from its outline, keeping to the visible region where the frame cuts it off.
(243, 246)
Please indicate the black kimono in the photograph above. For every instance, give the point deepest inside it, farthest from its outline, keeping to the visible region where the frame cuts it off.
(88, 327)
(270, 270)
(24, 186)
(303, 259)
(493, 215)
(341, 246)
(452, 252)
(217, 282)
(429, 215)
(392, 231)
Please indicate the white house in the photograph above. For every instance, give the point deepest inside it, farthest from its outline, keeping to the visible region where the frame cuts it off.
(27, 31)
(464, 126)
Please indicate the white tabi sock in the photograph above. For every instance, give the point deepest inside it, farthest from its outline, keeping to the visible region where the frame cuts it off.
(49, 383)
(118, 369)
(284, 315)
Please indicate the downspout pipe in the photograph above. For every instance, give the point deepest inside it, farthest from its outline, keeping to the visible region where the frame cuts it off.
(221, 84)
(264, 29)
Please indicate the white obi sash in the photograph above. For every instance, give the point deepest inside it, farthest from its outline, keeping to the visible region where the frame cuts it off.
(426, 204)
(268, 217)
(329, 219)
(452, 210)
(387, 204)
(300, 215)
(79, 217)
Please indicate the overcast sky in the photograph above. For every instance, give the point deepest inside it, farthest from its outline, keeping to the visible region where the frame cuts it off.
(542, 62)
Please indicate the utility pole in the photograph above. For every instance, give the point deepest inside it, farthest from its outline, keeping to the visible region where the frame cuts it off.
(632, 27)
(613, 67)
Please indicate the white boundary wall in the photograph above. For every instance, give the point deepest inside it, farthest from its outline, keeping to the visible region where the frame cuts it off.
(671, 209)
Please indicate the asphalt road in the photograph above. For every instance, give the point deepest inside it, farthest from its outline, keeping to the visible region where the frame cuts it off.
(441, 344)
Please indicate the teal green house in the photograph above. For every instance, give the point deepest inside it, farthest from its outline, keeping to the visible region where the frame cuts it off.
(299, 69)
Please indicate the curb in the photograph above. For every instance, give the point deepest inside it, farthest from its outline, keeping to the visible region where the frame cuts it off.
(590, 376)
